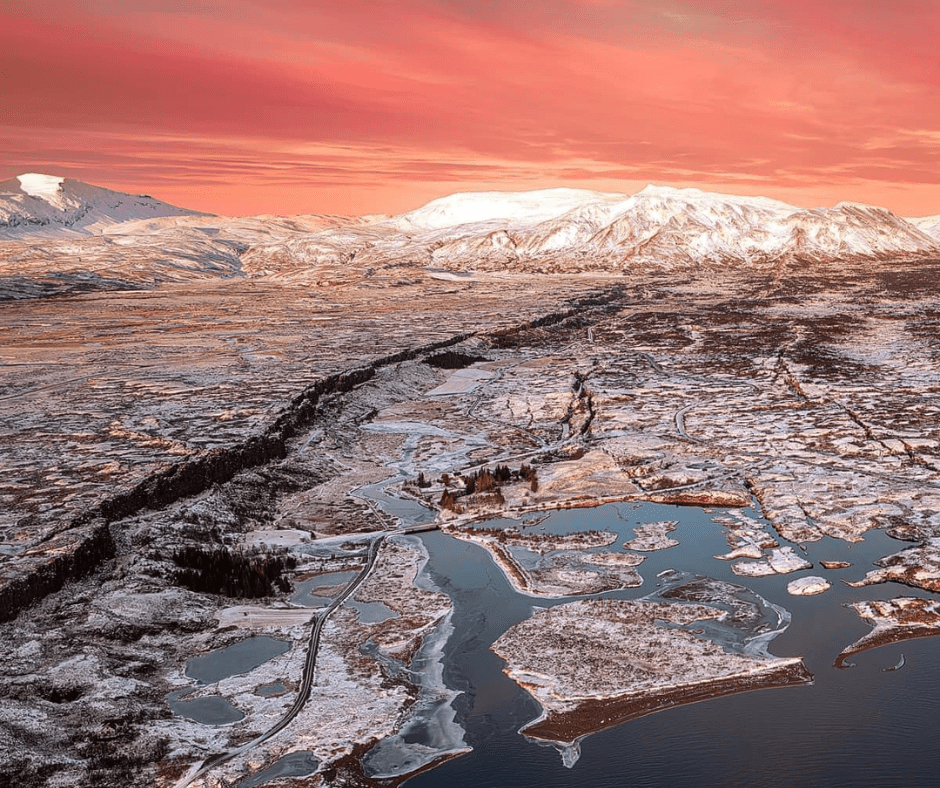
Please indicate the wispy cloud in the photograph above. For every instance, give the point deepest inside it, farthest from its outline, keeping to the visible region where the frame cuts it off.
(266, 105)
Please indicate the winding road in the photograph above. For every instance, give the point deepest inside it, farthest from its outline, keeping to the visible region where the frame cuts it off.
(309, 665)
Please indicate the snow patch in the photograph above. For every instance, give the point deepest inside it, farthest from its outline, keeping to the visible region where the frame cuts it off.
(463, 381)
(929, 225)
(714, 198)
(44, 187)
(808, 586)
(473, 207)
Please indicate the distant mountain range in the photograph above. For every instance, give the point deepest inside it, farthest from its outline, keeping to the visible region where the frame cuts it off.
(33, 204)
(659, 226)
(130, 242)
(929, 225)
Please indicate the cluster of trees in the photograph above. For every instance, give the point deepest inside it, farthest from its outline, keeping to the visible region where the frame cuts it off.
(449, 501)
(527, 472)
(245, 574)
(486, 482)
(451, 359)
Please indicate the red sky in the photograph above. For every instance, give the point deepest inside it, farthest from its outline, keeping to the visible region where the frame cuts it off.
(349, 106)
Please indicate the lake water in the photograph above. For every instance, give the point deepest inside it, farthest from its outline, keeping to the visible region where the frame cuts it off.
(304, 592)
(241, 657)
(857, 727)
(295, 764)
(210, 710)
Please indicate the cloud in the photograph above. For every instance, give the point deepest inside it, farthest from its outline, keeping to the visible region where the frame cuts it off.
(391, 97)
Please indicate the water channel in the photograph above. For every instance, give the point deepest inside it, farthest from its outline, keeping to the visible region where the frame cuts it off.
(865, 726)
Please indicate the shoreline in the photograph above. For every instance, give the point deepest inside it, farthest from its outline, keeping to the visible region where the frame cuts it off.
(596, 714)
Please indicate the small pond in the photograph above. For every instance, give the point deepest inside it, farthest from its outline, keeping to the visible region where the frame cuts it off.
(241, 657)
(211, 710)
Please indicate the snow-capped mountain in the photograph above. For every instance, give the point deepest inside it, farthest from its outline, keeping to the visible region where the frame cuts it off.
(929, 225)
(63, 236)
(569, 231)
(502, 208)
(661, 227)
(53, 206)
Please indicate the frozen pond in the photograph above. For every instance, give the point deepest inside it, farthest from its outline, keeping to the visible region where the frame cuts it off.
(241, 657)
(212, 710)
(864, 726)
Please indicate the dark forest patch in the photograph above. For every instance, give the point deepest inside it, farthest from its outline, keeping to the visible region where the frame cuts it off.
(452, 359)
(245, 574)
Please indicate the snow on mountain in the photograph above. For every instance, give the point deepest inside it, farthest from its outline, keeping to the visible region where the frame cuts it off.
(502, 207)
(659, 227)
(929, 225)
(59, 235)
(44, 187)
(567, 231)
(65, 236)
(50, 206)
(83, 263)
(186, 248)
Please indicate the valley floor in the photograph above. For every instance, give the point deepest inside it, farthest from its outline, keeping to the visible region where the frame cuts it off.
(811, 400)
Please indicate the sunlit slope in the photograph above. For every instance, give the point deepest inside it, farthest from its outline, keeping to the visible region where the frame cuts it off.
(54, 206)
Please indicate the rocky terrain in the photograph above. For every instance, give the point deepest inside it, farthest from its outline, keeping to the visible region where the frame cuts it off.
(189, 402)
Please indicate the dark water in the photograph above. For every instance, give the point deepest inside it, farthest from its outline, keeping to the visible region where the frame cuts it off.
(270, 690)
(241, 657)
(371, 612)
(303, 594)
(857, 727)
(295, 764)
(211, 710)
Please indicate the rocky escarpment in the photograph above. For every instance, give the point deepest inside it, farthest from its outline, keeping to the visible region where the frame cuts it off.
(82, 543)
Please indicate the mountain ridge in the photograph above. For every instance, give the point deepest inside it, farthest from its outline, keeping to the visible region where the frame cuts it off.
(35, 204)
(663, 227)
(85, 237)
